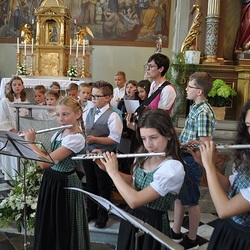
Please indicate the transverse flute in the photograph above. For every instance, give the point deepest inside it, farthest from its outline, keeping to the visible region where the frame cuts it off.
(97, 156)
(49, 129)
(218, 146)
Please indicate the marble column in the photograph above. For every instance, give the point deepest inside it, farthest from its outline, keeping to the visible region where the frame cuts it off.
(212, 29)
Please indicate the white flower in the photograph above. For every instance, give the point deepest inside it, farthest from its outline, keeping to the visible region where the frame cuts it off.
(21, 70)
(11, 208)
(72, 72)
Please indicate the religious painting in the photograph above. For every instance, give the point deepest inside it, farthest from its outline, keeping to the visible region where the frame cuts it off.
(113, 22)
(122, 22)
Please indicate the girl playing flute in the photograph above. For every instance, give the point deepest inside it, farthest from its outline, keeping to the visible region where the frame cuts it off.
(231, 195)
(154, 183)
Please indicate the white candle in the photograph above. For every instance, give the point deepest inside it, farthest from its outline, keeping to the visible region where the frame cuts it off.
(17, 44)
(83, 47)
(76, 49)
(25, 48)
(32, 46)
(74, 21)
(70, 46)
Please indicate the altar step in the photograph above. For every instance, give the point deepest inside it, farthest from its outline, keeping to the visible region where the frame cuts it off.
(109, 234)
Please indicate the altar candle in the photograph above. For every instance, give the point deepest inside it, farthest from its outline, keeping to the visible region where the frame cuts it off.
(17, 44)
(74, 21)
(32, 46)
(70, 46)
(76, 49)
(83, 47)
(25, 48)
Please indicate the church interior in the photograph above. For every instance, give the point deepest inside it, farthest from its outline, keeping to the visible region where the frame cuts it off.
(58, 37)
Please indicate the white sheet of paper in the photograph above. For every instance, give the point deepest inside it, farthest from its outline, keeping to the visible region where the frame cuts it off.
(159, 236)
(131, 105)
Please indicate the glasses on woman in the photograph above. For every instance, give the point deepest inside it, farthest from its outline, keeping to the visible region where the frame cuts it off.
(150, 66)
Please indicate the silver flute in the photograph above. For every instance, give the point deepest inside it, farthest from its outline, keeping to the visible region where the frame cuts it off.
(218, 146)
(98, 156)
(49, 129)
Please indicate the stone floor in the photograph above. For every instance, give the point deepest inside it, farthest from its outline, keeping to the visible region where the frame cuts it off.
(101, 239)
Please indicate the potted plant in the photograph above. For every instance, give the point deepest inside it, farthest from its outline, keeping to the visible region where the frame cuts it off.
(221, 96)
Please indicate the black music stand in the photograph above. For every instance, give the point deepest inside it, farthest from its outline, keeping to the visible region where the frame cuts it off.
(141, 225)
(13, 145)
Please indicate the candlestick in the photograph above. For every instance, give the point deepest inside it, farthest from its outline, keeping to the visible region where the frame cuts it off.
(31, 64)
(83, 67)
(83, 47)
(32, 46)
(76, 49)
(25, 48)
(70, 46)
(17, 62)
(17, 43)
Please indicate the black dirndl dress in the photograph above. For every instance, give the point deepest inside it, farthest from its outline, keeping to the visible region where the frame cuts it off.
(61, 221)
(155, 214)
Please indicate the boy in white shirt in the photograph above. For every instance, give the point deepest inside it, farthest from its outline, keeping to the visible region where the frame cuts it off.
(119, 91)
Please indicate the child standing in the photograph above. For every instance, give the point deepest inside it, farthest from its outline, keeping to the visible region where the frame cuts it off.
(72, 90)
(61, 221)
(155, 183)
(7, 88)
(199, 125)
(84, 92)
(17, 94)
(119, 91)
(143, 88)
(52, 96)
(56, 86)
(39, 95)
(231, 195)
(104, 129)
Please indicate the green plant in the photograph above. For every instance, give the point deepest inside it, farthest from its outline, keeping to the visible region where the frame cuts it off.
(177, 74)
(12, 207)
(221, 94)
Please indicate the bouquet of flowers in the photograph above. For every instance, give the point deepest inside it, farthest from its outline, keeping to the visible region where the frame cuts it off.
(72, 72)
(21, 70)
(12, 207)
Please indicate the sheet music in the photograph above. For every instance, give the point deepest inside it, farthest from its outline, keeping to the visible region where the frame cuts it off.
(14, 145)
(159, 236)
(131, 105)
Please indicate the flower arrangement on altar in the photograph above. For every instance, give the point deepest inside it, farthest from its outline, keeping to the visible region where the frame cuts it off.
(221, 94)
(72, 72)
(12, 207)
(21, 70)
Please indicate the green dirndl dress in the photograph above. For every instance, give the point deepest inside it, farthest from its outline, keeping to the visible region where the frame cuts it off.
(154, 213)
(61, 221)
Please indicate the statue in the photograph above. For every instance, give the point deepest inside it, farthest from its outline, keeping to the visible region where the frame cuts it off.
(242, 41)
(158, 44)
(190, 40)
(26, 33)
(82, 34)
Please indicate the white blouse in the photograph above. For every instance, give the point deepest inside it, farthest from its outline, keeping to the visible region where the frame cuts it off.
(245, 192)
(71, 142)
(169, 177)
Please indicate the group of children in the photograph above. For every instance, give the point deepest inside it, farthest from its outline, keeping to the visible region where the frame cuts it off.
(155, 183)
